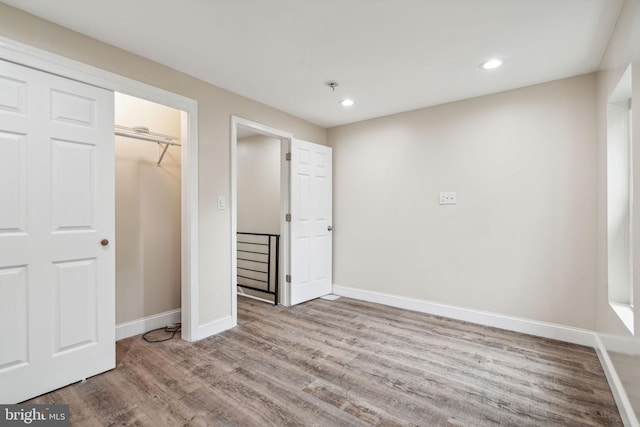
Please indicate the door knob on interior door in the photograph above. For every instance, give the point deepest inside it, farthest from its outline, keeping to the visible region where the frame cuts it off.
(330, 228)
(104, 242)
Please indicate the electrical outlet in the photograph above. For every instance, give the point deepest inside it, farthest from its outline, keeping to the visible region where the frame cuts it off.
(448, 198)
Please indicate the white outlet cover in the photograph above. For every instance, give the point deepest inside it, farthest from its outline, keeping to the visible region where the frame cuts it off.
(448, 198)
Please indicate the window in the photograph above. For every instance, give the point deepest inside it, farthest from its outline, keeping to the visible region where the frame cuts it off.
(619, 200)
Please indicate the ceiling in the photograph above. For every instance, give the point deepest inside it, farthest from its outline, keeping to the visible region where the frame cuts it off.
(388, 55)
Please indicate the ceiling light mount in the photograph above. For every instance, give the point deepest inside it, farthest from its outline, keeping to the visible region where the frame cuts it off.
(332, 84)
(345, 102)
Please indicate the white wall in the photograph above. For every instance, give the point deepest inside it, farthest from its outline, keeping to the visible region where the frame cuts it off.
(521, 240)
(147, 213)
(258, 160)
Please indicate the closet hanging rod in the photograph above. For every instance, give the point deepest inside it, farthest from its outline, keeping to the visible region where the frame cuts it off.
(146, 135)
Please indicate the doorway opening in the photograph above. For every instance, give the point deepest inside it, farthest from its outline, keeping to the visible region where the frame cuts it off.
(148, 194)
(258, 214)
(259, 201)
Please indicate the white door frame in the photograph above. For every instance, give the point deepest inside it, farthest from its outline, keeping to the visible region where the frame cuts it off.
(285, 137)
(29, 56)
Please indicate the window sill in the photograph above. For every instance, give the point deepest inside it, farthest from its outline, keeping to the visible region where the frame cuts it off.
(625, 313)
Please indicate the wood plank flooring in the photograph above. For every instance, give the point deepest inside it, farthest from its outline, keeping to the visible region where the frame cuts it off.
(346, 363)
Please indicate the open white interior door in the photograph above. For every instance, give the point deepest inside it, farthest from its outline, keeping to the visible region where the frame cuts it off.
(56, 232)
(311, 221)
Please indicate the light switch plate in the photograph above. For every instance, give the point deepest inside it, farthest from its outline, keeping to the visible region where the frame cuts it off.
(221, 203)
(448, 198)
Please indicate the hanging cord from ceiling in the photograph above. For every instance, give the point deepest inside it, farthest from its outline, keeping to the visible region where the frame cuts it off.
(171, 329)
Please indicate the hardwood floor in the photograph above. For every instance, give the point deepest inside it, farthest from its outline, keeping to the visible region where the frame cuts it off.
(346, 363)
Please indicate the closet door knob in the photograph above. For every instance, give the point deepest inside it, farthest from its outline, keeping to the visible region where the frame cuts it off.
(104, 242)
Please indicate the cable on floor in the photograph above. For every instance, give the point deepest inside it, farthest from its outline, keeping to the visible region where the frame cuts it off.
(172, 329)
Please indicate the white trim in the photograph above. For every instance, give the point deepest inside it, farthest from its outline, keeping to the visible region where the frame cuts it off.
(620, 344)
(233, 203)
(146, 324)
(285, 241)
(617, 389)
(190, 289)
(29, 56)
(214, 327)
(516, 324)
(24, 54)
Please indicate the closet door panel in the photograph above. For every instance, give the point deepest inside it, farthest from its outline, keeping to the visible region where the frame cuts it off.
(57, 278)
(13, 183)
(73, 173)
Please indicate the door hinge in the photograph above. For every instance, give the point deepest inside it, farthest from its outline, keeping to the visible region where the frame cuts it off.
(287, 156)
(287, 217)
(287, 278)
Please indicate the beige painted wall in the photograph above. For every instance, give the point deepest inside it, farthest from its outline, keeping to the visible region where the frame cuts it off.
(147, 213)
(215, 107)
(521, 240)
(259, 184)
(623, 48)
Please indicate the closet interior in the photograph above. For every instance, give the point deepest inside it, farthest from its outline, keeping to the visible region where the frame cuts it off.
(148, 209)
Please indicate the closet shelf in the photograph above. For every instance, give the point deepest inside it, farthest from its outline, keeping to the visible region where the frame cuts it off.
(145, 134)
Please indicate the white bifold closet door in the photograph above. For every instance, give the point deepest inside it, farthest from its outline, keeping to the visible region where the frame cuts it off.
(311, 220)
(56, 232)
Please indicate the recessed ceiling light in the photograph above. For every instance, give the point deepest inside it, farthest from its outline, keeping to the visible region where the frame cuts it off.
(490, 64)
(347, 102)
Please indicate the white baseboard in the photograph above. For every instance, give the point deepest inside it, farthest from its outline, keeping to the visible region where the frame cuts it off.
(160, 320)
(617, 389)
(149, 323)
(526, 326)
(214, 327)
